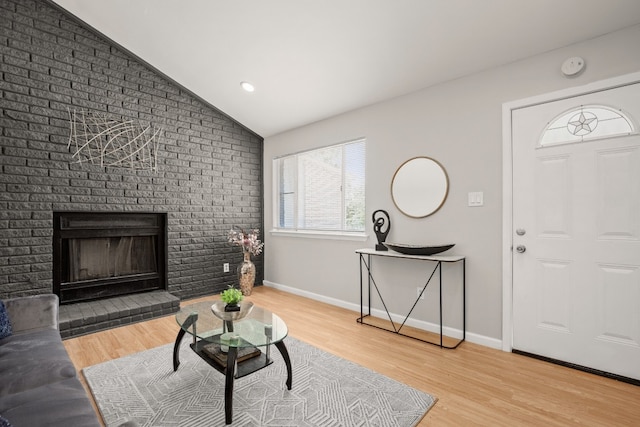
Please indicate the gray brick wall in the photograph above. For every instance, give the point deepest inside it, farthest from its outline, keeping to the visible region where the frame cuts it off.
(209, 166)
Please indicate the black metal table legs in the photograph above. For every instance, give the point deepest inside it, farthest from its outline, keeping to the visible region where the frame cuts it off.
(228, 384)
(176, 349)
(230, 371)
(285, 355)
(366, 267)
(190, 322)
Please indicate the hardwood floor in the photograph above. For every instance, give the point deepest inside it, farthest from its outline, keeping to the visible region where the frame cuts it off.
(475, 385)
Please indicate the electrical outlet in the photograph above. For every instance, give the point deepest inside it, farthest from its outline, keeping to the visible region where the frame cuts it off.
(419, 294)
(225, 267)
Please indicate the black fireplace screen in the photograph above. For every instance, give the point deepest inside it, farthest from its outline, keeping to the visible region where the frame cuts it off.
(99, 255)
(101, 258)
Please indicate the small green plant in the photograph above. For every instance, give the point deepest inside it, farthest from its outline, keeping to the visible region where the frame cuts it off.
(231, 295)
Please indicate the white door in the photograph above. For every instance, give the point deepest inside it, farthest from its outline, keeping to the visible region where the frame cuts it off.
(576, 237)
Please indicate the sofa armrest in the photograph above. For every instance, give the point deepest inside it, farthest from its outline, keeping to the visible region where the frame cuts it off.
(33, 313)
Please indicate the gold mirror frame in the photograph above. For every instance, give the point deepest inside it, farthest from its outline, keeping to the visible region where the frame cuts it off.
(420, 187)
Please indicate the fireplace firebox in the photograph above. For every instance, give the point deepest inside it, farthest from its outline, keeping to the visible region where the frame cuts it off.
(104, 254)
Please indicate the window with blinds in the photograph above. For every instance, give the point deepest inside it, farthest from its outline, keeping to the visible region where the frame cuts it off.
(322, 189)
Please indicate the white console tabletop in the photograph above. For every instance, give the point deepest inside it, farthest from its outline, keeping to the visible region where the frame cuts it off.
(394, 254)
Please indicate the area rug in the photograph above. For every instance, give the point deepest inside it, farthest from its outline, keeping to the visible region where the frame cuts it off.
(327, 391)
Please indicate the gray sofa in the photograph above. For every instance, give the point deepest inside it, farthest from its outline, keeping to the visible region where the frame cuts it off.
(38, 383)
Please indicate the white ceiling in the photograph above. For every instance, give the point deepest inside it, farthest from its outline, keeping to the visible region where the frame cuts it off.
(312, 59)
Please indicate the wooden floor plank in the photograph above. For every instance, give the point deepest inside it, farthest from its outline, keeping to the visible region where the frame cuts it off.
(475, 385)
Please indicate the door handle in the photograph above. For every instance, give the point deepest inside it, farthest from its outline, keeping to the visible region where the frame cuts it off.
(521, 249)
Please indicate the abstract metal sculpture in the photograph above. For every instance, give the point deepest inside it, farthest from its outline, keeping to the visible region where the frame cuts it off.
(102, 140)
(378, 224)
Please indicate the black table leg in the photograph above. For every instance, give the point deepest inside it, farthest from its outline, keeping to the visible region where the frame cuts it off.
(285, 355)
(232, 353)
(191, 321)
(176, 349)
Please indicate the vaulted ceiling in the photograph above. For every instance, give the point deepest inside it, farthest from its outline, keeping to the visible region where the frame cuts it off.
(312, 59)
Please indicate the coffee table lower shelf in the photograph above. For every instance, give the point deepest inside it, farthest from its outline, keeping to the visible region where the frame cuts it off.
(243, 368)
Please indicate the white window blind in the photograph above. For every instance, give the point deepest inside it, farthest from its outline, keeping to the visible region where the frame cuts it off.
(322, 189)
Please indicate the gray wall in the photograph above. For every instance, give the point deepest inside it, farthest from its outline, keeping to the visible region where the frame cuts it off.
(459, 123)
(209, 174)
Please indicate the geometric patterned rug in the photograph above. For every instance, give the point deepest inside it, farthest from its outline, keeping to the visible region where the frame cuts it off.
(327, 391)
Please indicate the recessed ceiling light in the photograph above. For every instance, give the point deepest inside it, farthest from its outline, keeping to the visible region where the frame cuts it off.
(247, 86)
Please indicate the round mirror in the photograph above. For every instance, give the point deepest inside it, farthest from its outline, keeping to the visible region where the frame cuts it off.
(419, 187)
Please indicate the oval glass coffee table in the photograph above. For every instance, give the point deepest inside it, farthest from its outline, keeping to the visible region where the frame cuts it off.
(233, 347)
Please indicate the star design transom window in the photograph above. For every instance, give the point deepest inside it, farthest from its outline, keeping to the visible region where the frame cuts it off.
(586, 122)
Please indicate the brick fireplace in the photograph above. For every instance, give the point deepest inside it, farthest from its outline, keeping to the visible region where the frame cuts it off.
(100, 255)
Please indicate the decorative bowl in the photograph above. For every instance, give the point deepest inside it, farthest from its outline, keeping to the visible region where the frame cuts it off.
(418, 250)
(218, 309)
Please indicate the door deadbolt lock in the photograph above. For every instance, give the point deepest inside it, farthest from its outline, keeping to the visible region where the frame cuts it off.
(521, 231)
(521, 249)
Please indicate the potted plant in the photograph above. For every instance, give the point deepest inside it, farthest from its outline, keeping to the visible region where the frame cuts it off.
(231, 297)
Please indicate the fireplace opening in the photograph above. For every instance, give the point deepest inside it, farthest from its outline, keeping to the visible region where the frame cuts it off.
(101, 255)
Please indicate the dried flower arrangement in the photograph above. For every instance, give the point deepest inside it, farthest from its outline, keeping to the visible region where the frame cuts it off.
(247, 240)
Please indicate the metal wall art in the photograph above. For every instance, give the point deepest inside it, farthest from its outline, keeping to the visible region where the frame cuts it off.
(104, 141)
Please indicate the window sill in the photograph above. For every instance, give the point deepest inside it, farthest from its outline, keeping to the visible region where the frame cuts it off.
(330, 235)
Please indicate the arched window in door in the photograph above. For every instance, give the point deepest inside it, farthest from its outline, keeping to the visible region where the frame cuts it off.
(586, 122)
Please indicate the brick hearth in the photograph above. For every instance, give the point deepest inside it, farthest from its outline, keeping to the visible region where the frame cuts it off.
(86, 317)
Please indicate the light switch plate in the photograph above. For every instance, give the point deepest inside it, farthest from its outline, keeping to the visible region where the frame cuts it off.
(476, 198)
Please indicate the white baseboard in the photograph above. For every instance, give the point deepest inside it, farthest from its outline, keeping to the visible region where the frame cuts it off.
(419, 324)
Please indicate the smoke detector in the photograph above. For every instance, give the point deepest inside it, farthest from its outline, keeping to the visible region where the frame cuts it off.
(572, 66)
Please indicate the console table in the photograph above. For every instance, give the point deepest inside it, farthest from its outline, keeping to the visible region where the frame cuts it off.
(366, 257)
